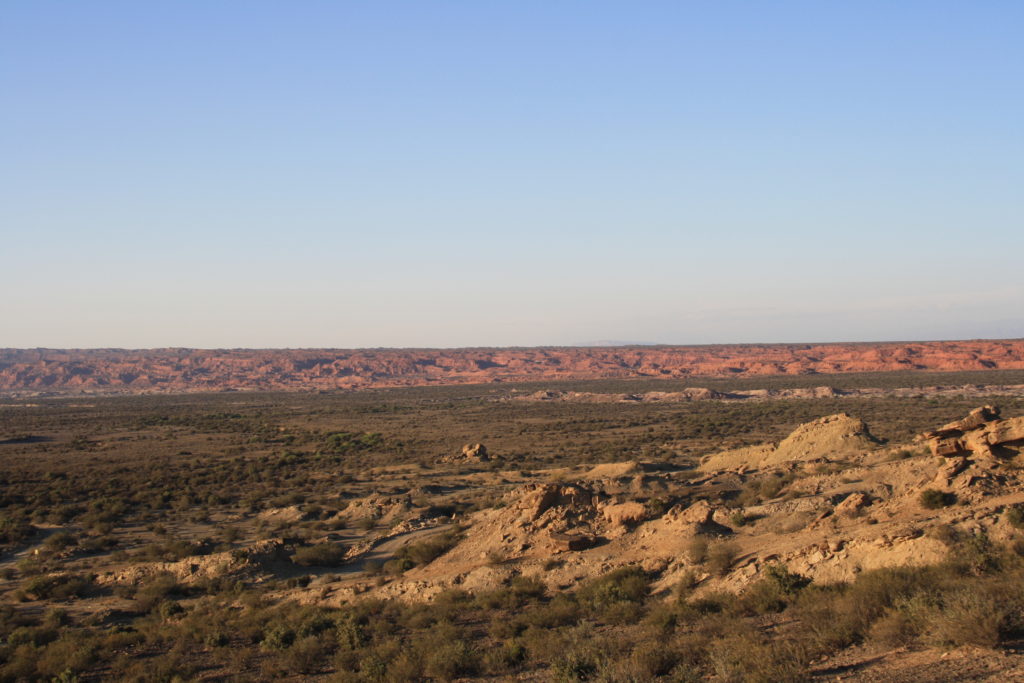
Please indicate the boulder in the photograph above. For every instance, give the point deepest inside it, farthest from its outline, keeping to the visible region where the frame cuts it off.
(699, 513)
(569, 542)
(539, 500)
(949, 469)
(475, 452)
(852, 505)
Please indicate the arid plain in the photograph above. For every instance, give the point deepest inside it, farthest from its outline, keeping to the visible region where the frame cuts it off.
(768, 513)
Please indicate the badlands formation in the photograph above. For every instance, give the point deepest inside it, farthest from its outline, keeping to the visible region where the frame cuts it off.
(184, 370)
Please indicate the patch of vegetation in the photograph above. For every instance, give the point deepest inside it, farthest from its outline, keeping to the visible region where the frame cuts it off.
(933, 499)
(346, 443)
(319, 555)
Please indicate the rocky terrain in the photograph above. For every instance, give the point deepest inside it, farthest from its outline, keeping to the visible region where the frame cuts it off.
(828, 501)
(474, 533)
(184, 370)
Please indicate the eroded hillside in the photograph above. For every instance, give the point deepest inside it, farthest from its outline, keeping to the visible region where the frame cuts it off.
(180, 370)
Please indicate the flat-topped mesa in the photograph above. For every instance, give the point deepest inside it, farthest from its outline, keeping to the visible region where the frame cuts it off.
(982, 433)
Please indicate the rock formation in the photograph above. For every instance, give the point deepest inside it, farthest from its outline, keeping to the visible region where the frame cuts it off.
(827, 438)
(826, 524)
(475, 452)
(981, 434)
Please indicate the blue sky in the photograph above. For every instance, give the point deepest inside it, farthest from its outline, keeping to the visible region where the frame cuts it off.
(343, 174)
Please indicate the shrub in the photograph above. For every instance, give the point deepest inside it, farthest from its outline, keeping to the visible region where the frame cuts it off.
(697, 550)
(519, 592)
(319, 555)
(975, 554)
(719, 602)
(973, 616)
(894, 629)
(651, 659)
(59, 541)
(775, 590)
(563, 610)
(626, 584)
(1015, 516)
(306, 656)
(749, 659)
(944, 533)
(933, 499)
(156, 590)
(432, 548)
(278, 637)
(738, 518)
(57, 587)
(681, 591)
(170, 609)
(509, 656)
(451, 659)
(721, 556)
(579, 664)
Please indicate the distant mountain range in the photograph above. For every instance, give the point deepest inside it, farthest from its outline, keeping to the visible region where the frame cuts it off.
(187, 370)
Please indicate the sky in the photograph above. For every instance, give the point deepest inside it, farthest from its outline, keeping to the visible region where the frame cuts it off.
(249, 173)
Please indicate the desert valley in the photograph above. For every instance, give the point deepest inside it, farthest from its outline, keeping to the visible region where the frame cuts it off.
(625, 514)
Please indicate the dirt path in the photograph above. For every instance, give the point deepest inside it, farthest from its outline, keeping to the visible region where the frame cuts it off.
(384, 550)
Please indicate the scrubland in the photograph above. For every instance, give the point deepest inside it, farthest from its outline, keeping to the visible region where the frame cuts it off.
(343, 536)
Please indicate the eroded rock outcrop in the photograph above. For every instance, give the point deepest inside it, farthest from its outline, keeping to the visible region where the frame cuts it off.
(981, 434)
(830, 438)
(470, 453)
(828, 523)
(255, 561)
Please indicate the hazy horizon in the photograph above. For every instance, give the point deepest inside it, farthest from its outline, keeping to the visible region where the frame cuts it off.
(435, 175)
(583, 345)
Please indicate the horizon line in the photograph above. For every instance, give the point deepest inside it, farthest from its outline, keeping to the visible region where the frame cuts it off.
(509, 348)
